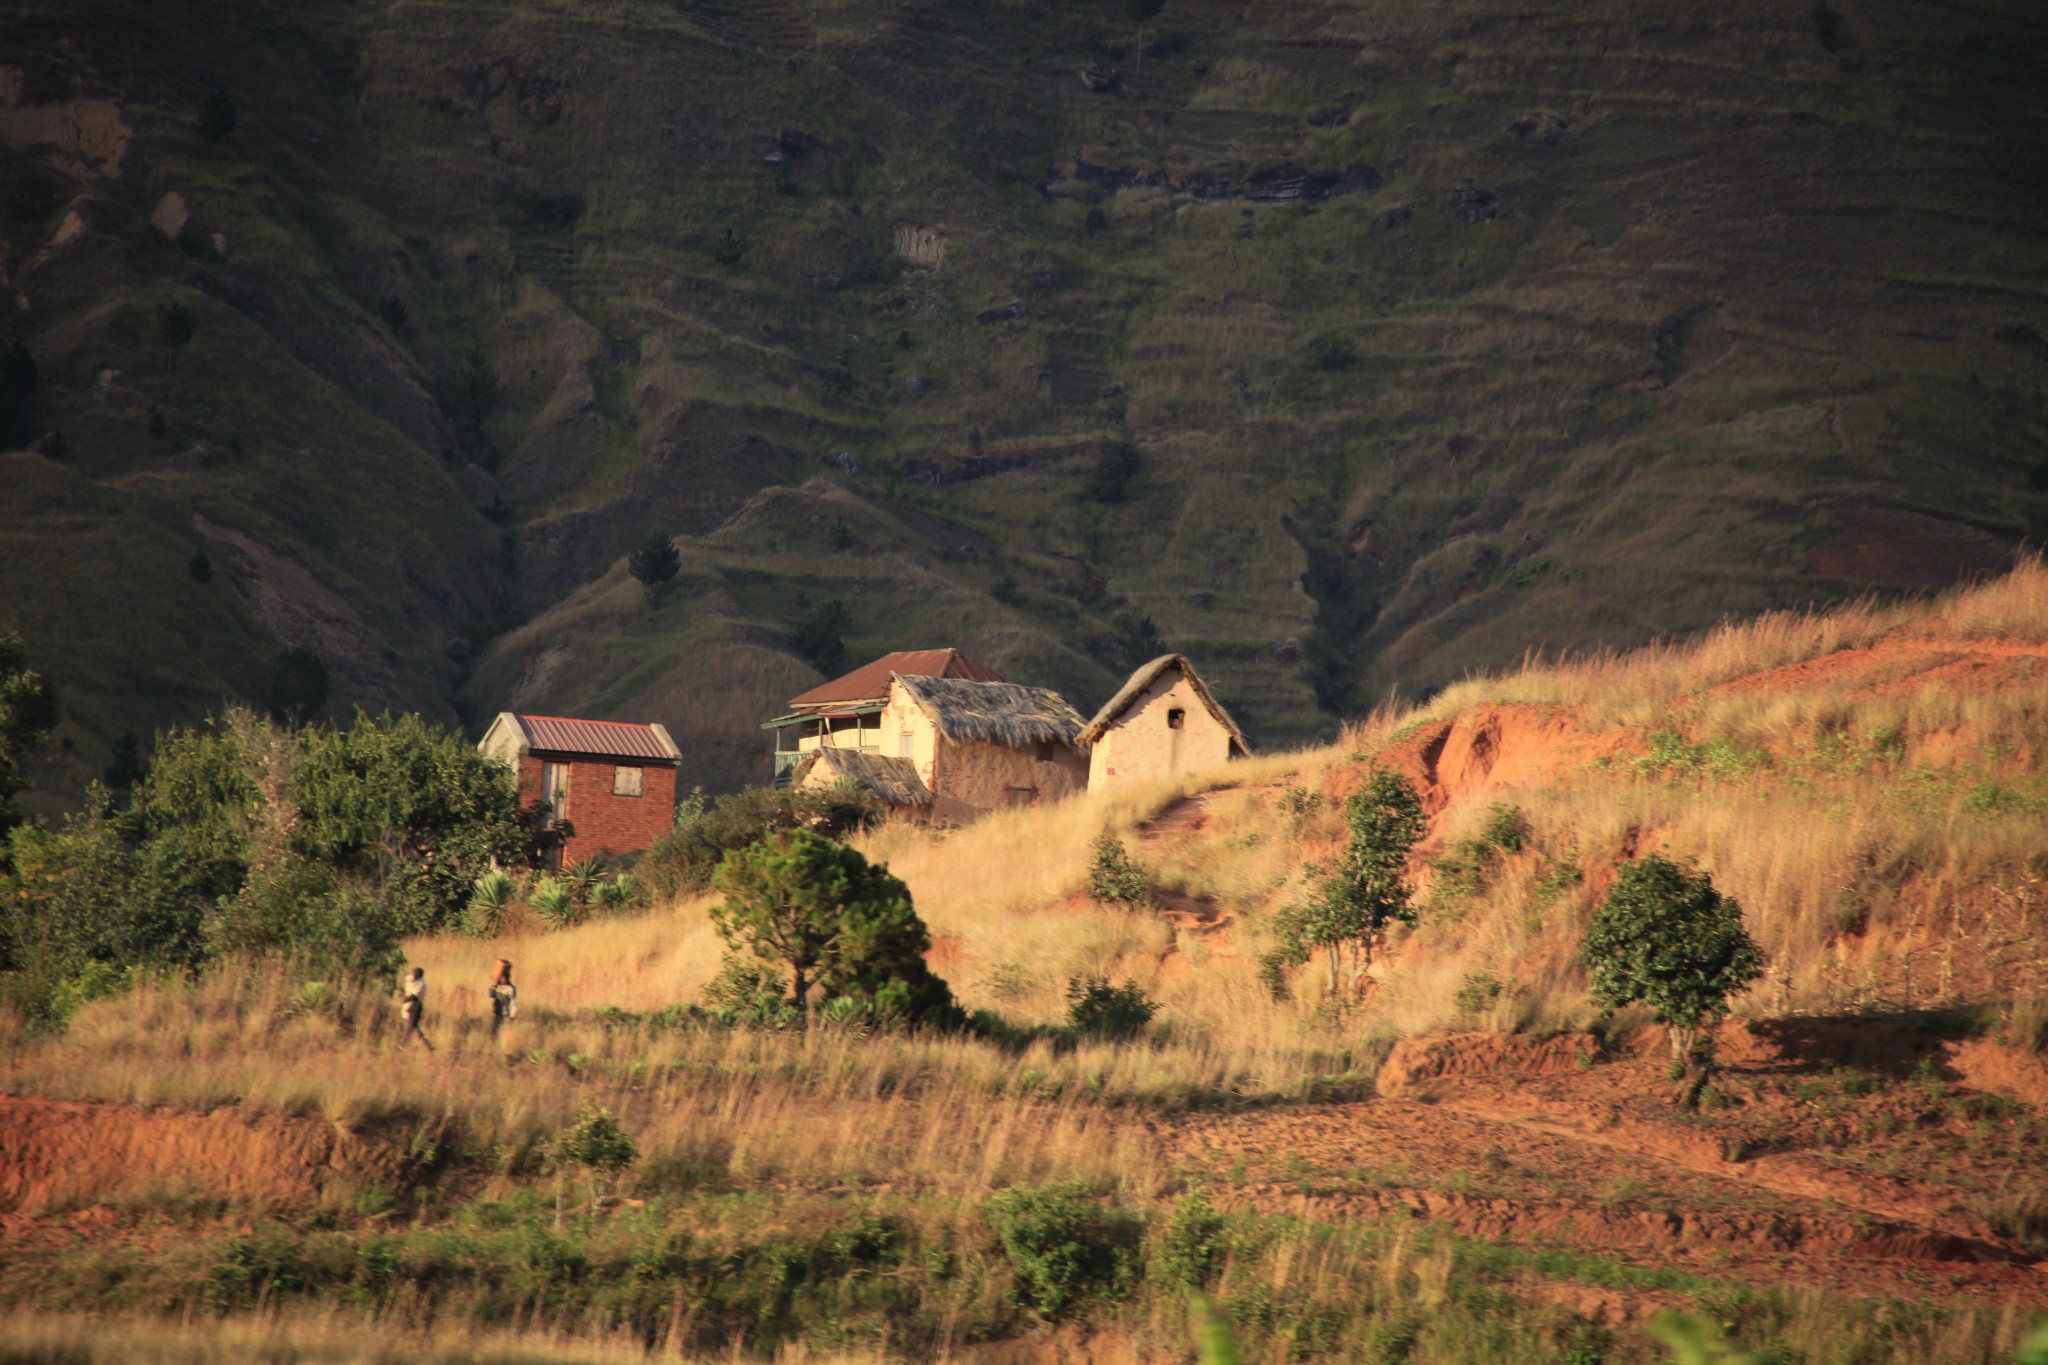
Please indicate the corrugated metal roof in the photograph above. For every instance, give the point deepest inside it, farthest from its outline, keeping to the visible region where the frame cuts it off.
(596, 738)
(872, 680)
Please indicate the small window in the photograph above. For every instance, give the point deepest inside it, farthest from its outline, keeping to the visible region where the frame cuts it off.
(905, 744)
(1176, 719)
(1044, 751)
(625, 781)
(1023, 796)
(554, 788)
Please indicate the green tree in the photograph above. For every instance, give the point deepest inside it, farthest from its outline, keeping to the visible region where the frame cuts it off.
(28, 713)
(655, 563)
(683, 860)
(597, 1144)
(217, 115)
(1348, 909)
(1664, 937)
(819, 635)
(836, 923)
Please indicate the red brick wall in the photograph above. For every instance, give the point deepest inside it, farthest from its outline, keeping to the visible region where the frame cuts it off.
(607, 826)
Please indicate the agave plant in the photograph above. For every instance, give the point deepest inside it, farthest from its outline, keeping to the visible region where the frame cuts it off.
(585, 877)
(615, 894)
(488, 902)
(555, 902)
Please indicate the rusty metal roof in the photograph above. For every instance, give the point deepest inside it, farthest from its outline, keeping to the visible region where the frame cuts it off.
(596, 738)
(871, 681)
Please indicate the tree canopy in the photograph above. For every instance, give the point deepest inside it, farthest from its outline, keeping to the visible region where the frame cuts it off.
(1664, 937)
(28, 713)
(1348, 908)
(837, 924)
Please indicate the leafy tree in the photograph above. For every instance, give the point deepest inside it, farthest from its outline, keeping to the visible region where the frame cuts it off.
(1191, 1248)
(818, 636)
(1115, 877)
(411, 808)
(683, 860)
(729, 248)
(655, 562)
(1348, 909)
(126, 767)
(1063, 1246)
(1666, 938)
(18, 379)
(837, 923)
(217, 115)
(1110, 481)
(28, 713)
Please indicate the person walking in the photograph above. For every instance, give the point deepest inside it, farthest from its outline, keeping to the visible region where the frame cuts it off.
(412, 1004)
(504, 996)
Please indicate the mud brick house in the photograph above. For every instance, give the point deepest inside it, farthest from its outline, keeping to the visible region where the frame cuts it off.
(936, 735)
(1164, 720)
(613, 782)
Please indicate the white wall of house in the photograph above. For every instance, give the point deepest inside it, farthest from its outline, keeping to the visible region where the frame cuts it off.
(1143, 743)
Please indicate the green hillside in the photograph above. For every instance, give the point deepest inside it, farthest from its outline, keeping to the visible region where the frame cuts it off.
(1442, 330)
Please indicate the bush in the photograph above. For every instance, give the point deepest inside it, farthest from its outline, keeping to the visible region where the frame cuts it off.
(1192, 1244)
(598, 1145)
(1505, 828)
(1064, 1248)
(655, 562)
(1100, 1010)
(1664, 937)
(1332, 353)
(1115, 877)
(1110, 481)
(682, 860)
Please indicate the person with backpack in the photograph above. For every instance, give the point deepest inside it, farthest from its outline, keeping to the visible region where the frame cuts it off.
(504, 996)
(412, 1004)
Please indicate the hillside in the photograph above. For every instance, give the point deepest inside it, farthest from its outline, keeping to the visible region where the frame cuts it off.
(1441, 332)
(1468, 1163)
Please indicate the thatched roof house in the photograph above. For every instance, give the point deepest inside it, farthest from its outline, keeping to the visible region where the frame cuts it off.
(894, 781)
(938, 736)
(1164, 720)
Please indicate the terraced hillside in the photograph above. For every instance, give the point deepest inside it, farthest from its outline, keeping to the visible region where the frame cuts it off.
(1440, 332)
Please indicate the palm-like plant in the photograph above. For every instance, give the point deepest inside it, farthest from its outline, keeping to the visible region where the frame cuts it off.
(492, 896)
(555, 902)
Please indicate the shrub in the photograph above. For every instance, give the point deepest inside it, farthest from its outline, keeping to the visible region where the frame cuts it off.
(1064, 1248)
(597, 1144)
(1100, 1010)
(729, 248)
(682, 860)
(555, 902)
(1505, 829)
(28, 713)
(1332, 353)
(1110, 481)
(1664, 937)
(1115, 877)
(1192, 1244)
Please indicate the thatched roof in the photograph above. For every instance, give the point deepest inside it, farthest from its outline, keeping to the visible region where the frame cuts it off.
(894, 780)
(1003, 713)
(1144, 678)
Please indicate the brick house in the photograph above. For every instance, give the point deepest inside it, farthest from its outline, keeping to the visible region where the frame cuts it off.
(613, 782)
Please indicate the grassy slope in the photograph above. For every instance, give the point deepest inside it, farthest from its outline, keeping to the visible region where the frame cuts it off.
(1754, 322)
(1852, 764)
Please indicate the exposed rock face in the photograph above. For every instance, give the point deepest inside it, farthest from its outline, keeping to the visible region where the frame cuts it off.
(918, 245)
(171, 215)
